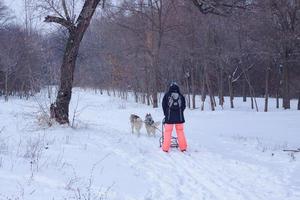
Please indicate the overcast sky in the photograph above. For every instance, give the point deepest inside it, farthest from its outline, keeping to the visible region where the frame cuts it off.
(16, 6)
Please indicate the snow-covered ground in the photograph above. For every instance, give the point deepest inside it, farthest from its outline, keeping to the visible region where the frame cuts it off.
(232, 155)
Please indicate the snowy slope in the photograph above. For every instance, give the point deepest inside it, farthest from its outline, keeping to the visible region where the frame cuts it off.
(233, 154)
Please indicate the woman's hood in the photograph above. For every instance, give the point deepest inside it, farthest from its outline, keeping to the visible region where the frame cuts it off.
(174, 88)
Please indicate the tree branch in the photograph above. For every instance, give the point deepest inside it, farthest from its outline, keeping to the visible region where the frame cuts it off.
(68, 24)
(63, 2)
(243, 72)
(217, 7)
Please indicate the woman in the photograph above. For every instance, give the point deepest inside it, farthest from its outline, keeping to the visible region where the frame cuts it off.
(173, 106)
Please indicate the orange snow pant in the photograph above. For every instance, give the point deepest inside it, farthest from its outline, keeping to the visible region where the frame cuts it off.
(168, 136)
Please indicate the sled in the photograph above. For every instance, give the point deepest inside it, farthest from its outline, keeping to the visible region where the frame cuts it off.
(174, 140)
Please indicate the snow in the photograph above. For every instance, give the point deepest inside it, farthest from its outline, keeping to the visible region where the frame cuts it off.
(233, 154)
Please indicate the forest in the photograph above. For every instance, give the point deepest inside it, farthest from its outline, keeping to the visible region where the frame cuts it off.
(211, 48)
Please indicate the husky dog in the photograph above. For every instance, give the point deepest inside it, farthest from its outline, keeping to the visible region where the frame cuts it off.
(136, 123)
(150, 125)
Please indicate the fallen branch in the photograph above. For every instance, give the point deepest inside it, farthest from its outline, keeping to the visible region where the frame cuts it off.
(292, 150)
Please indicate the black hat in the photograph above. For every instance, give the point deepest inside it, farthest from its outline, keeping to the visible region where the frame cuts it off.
(174, 87)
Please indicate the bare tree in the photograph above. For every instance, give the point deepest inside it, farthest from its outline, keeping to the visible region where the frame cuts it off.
(286, 20)
(76, 29)
(234, 39)
(5, 17)
(9, 56)
(20, 62)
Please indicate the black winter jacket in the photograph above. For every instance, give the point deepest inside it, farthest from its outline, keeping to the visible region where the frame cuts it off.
(173, 116)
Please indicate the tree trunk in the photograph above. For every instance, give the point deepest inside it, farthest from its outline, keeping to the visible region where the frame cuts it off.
(60, 109)
(147, 95)
(136, 97)
(188, 92)
(244, 90)
(230, 87)
(143, 98)
(159, 10)
(277, 99)
(49, 90)
(286, 86)
(154, 83)
(267, 88)
(212, 102)
(6, 86)
(203, 92)
(148, 99)
(212, 105)
(252, 102)
(215, 102)
(278, 84)
(255, 102)
(221, 93)
(252, 93)
(298, 101)
(155, 99)
(193, 82)
(194, 101)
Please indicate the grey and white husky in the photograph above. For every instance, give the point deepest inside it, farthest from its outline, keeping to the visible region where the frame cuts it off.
(136, 124)
(150, 125)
